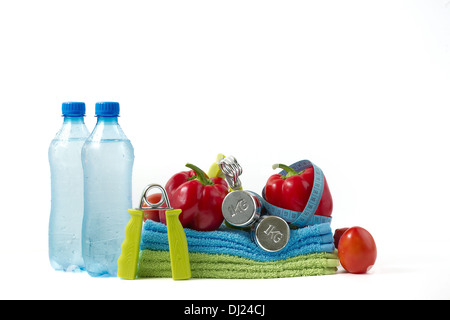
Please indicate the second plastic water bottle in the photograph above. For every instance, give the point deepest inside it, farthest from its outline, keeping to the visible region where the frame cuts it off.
(107, 159)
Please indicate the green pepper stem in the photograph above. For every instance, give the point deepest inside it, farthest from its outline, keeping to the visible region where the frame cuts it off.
(289, 171)
(201, 175)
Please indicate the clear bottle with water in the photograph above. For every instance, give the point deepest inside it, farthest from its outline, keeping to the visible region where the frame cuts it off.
(66, 215)
(107, 158)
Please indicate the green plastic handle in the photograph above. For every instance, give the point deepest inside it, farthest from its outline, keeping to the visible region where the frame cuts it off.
(179, 254)
(129, 257)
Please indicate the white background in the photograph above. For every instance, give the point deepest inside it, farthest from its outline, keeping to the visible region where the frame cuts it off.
(361, 88)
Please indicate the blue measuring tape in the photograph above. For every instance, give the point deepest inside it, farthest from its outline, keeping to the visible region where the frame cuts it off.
(307, 217)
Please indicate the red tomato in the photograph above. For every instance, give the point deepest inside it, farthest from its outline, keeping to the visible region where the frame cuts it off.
(357, 250)
(152, 214)
(337, 236)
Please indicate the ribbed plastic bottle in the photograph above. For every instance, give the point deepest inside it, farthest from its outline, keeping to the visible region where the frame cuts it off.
(66, 215)
(107, 158)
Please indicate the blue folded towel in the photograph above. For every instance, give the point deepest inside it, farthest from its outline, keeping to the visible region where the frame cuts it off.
(311, 239)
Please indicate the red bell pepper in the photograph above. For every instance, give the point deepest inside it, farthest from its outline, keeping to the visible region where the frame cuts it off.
(292, 191)
(199, 197)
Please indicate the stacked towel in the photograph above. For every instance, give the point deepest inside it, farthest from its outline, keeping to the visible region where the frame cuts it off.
(230, 253)
(154, 264)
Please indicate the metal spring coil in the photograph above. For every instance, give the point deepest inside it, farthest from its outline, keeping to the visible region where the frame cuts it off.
(231, 170)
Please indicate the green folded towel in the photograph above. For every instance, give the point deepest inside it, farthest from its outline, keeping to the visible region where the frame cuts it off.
(156, 264)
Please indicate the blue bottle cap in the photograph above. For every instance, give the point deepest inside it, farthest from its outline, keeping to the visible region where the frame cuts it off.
(73, 109)
(107, 109)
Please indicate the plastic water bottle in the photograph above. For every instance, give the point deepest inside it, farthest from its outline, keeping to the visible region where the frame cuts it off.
(107, 158)
(66, 216)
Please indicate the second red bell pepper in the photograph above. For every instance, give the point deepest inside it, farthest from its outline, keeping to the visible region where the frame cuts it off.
(292, 191)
